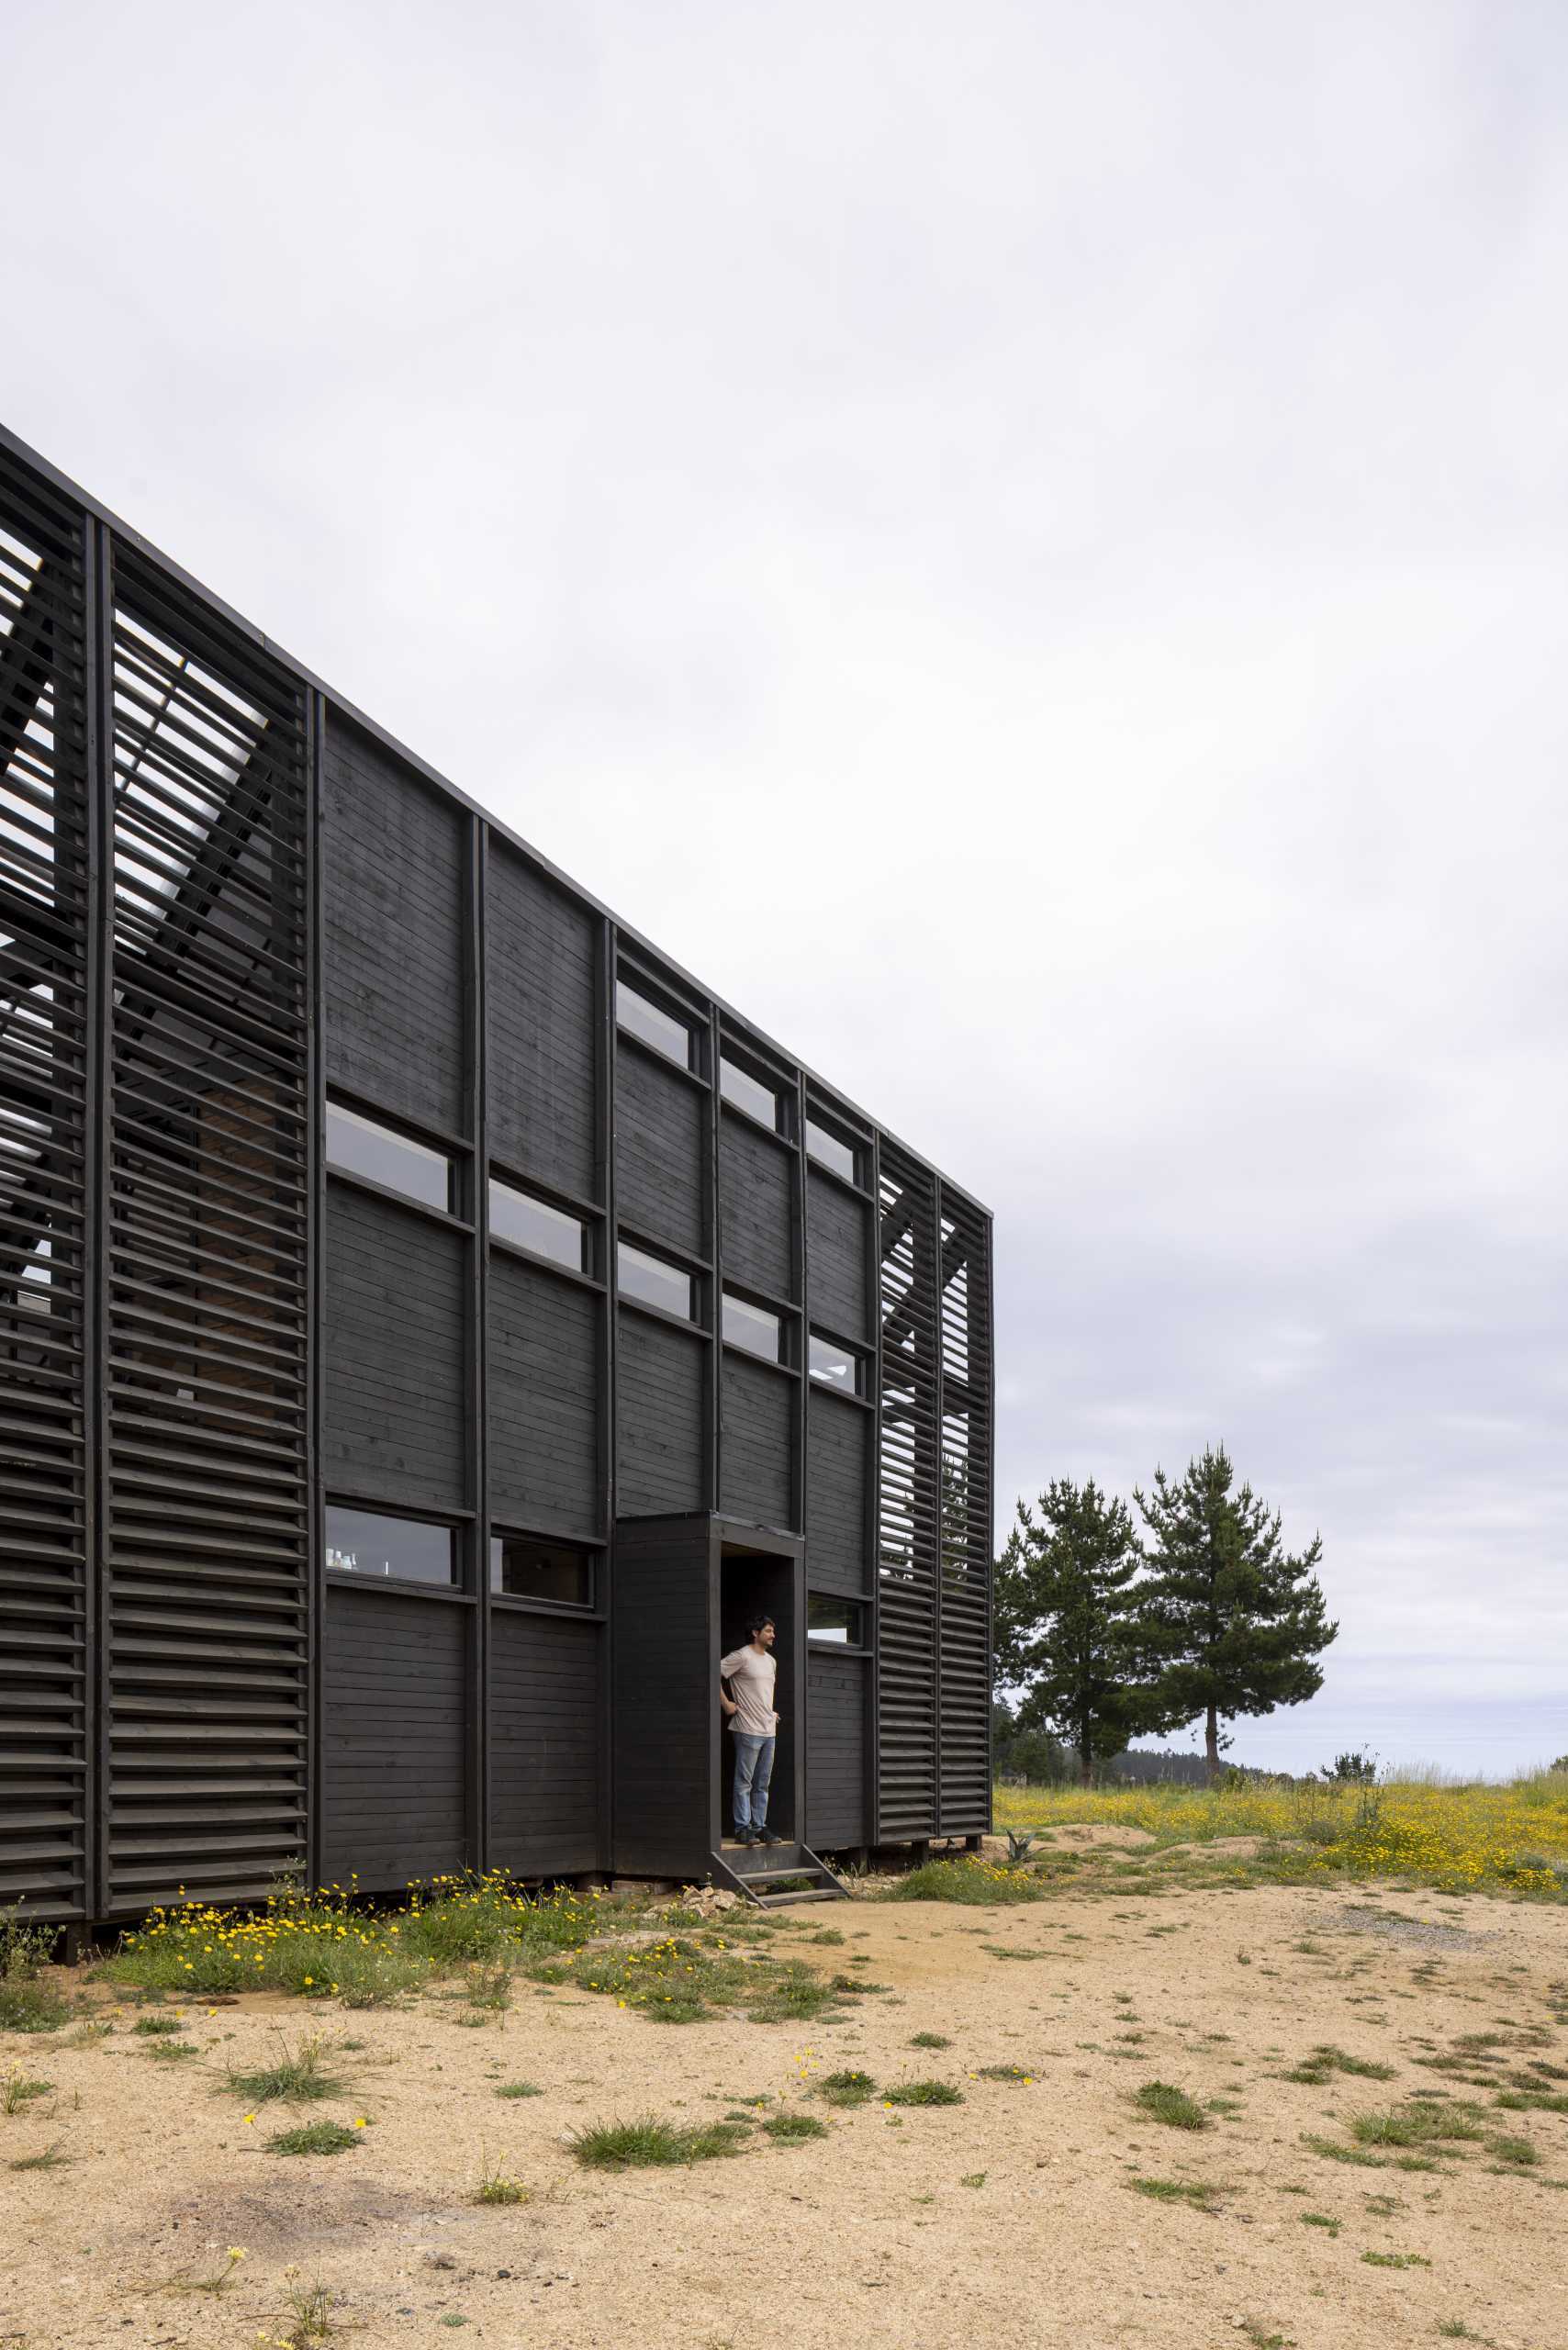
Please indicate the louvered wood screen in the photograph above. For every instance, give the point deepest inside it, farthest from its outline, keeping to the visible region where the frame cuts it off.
(43, 937)
(205, 1557)
(908, 1480)
(964, 1598)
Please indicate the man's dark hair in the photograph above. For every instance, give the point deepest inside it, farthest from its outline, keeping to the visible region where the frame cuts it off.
(757, 1624)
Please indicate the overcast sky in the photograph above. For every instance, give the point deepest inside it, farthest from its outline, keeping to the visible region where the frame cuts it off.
(1025, 545)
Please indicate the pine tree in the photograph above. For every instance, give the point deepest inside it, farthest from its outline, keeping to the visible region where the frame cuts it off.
(1237, 1625)
(1069, 1622)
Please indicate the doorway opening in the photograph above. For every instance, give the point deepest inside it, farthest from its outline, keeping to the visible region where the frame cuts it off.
(752, 1584)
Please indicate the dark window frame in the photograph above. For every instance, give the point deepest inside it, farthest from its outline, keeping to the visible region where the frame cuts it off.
(590, 1610)
(693, 1318)
(647, 992)
(856, 1606)
(455, 1525)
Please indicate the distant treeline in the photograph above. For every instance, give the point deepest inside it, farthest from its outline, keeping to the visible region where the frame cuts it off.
(1035, 1755)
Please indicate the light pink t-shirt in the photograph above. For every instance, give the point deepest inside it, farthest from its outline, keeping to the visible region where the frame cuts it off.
(751, 1674)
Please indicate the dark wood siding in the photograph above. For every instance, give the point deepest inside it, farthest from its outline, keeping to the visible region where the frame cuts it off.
(838, 1448)
(393, 1344)
(838, 1257)
(660, 1416)
(836, 1749)
(661, 1121)
(665, 1703)
(394, 1736)
(757, 1441)
(544, 1349)
(754, 1207)
(542, 950)
(545, 1732)
(393, 931)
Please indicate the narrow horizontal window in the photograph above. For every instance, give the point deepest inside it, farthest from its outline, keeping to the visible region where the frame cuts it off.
(749, 1092)
(830, 1150)
(525, 1567)
(842, 1621)
(653, 1282)
(651, 1024)
(359, 1147)
(753, 1327)
(365, 1542)
(835, 1366)
(549, 1232)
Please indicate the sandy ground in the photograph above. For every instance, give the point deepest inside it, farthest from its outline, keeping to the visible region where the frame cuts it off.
(1006, 2220)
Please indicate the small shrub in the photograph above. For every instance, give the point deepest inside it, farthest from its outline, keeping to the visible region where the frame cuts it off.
(171, 2052)
(18, 2092)
(847, 2088)
(310, 2308)
(924, 2093)
(497, 2186)
(300, 2078)
(315, 2138)
(975, 1882)
(1163, 2102)
(26, 2002)
(519, 2089)
(856, 1983)
(155, 2027)
(793, 2129)
(648, 2142)
(1395, 2260)
(930, 2040)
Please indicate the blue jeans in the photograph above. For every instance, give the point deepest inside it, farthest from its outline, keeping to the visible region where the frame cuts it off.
(754, 1768)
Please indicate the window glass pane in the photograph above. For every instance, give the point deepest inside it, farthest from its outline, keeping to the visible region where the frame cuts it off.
(644, 1019)
(834, 1366)
(549, 1232)
(362, 1147)
(827, 1149)
(364, 1542)
(836, 1620)
(523, 1567)
(652, 1282)
(749, 1093)
(753, 1327)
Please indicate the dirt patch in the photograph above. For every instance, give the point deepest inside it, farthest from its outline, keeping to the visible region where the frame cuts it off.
(1008, 2222)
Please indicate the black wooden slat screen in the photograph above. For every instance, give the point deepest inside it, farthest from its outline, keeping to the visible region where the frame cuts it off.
(963, 1601)
(205, 1552)
(43, 937)
(907, 1473)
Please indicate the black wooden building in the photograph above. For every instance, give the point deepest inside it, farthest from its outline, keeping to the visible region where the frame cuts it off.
(429, 1320)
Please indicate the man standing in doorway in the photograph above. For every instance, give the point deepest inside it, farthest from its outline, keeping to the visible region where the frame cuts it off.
(745, 1692)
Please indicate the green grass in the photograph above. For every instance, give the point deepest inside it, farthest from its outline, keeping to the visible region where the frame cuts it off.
(854, 1984)
(1532, 2100)
(172, 2052)
(1520, 2154)
(300, 2077)
(647, 2142)
(519, 2089)
(1395, 2260)
(970, 1880)
(1195, 2191)
(1004, 2072)
(1437, 2122)
(155, 2027)
(1319, 2219)
(1325, 2061)
(1162, 2101)
(315, 2138)
(793, 2129)
(930, 2040)
(847, 2088)
(51, 2158)
(922, 2093)
(17, 2092)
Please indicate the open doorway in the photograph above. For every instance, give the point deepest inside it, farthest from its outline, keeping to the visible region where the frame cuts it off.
(761, 1583)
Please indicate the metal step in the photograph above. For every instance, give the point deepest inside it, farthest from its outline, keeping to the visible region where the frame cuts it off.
(822, 1885)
